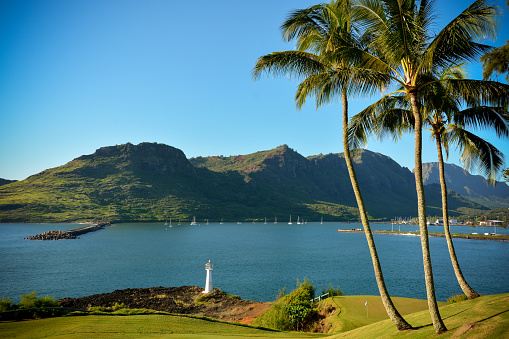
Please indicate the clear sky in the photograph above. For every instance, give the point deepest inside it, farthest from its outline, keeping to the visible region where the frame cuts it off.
(79, 75)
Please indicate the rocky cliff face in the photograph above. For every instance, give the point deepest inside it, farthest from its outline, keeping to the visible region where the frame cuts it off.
(145, 157)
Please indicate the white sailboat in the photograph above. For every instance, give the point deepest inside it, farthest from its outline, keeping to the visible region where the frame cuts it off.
(170, 223)
(275, 220)
(290, 220)
(265, 223)
(221, 222)
(298, 220)
(321, 221)
(193, 223)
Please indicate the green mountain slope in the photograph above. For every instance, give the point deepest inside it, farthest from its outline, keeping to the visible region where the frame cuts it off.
(5, 181)
(472, 187)
(149, 182)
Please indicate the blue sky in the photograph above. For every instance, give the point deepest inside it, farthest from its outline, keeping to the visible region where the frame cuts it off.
(79, 75)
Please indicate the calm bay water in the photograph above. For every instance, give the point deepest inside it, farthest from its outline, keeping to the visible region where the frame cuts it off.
(253, 261)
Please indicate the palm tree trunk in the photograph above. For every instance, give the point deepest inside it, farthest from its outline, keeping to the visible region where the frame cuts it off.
(469, 292)
(438, 324)
(400, 323)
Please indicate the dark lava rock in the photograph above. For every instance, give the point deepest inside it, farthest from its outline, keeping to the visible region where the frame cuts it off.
(182, 300)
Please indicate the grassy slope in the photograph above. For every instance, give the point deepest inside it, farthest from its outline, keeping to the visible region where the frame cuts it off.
(488, 314)
(353, 313)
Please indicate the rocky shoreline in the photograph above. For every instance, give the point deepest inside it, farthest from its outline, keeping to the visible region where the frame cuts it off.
(70, 234)
(181, 300)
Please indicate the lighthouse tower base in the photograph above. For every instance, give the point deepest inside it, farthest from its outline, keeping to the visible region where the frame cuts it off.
(208, 281)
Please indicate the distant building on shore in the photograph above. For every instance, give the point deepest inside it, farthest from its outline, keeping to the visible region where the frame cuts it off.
(451, 222)
(490, 223)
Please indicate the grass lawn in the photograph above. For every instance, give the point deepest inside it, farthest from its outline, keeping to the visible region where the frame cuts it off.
(136, 326)
(484, 317)
(352, 311)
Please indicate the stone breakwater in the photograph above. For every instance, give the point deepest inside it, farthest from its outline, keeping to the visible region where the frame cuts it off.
(71, 234)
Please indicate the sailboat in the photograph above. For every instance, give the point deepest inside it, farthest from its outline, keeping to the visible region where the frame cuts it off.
(321, 221)
(275, 220)
(265, 223)
(290, 220)
(298, 222)
(221, 222)
(207, 222)
(193, 223)
(170, 223)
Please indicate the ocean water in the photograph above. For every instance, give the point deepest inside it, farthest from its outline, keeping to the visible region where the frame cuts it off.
(253, 261)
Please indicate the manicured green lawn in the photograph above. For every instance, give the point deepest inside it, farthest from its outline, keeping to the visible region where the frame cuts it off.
(487, 317)
(353, 312)
(137, 326)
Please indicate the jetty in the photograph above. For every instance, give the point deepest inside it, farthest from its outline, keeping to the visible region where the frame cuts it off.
(495, 237)
(70, 234)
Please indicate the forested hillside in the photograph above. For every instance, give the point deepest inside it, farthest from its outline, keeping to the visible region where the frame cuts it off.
(150, 181)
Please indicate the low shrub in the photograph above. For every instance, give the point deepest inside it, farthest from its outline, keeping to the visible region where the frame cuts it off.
(294, 311)
(31, 301)
(98, 309)
(5, 304)
(331, 291)
(118, 306)
(30, 306)
(218, 294)
(457, 298)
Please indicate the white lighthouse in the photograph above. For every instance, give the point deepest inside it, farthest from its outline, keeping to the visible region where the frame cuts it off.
(208, 281)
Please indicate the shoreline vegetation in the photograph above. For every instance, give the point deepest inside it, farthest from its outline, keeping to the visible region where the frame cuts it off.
(495, 237)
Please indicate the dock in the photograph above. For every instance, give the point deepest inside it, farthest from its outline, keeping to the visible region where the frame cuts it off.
(496, 237)
(70, 234)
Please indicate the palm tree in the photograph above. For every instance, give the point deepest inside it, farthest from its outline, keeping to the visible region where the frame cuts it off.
(406, 49)
(444, 119)
(318, 31)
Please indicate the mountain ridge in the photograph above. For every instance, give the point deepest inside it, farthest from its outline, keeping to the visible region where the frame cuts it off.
(472, 187)
(151, 181)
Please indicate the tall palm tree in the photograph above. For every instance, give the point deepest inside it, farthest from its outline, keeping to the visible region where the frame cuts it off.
(318, 31)
(408, 51)
(445, 120)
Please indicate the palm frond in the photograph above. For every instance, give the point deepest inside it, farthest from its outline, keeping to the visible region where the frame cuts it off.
(388, 117)
(297, 64)
(477, 153)
(480, 92)
(457, 40)
(484, 117)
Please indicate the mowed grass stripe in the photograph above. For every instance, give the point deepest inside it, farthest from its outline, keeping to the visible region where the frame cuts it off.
(136, 326)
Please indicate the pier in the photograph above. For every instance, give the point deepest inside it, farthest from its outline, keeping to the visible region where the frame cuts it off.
(496, 237)
(70, 234)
